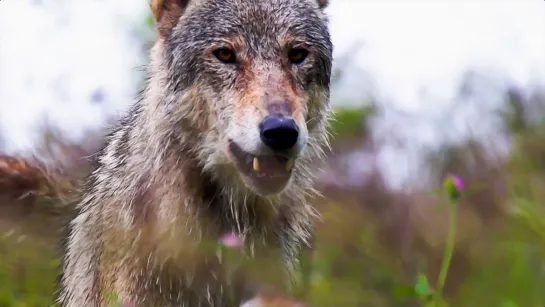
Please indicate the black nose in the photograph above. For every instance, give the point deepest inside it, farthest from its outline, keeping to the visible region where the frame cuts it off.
(279, 132)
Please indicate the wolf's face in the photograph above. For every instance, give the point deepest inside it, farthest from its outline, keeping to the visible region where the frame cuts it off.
(259, 73)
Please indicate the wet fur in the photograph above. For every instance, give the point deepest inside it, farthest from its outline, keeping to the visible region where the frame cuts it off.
(163, 184)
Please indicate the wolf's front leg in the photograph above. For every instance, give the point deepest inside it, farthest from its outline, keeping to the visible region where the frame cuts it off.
(80, 282)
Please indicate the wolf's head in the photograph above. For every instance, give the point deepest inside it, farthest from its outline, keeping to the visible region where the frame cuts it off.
(251, 78)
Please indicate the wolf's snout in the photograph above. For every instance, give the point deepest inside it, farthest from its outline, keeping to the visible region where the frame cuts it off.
(279, 132)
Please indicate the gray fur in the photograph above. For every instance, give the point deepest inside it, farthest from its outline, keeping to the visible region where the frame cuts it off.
(164, 183)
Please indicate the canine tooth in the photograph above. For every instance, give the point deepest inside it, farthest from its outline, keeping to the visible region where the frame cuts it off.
(289, 164)
(256, 164)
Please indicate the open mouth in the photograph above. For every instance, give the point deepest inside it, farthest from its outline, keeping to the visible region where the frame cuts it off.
(267, 174)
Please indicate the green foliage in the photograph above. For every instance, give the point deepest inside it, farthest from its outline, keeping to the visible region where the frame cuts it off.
(28, 272)
(350, 121)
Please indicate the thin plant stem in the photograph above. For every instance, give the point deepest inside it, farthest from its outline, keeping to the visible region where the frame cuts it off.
(449, 250)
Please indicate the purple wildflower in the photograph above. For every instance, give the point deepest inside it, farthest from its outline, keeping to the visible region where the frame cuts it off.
(458, 183)
(454, 186)
(230, 239)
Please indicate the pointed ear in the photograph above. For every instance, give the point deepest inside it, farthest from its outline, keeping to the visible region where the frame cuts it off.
(322, 3)
(166, 14)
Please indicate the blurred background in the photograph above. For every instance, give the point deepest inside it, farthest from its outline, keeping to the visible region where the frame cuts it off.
(422, 89)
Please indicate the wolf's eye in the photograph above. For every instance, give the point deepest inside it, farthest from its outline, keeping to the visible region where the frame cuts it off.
(297, 55)
(225, 55)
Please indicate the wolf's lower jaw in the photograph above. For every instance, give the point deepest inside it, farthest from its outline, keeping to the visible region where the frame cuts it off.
(266, 174)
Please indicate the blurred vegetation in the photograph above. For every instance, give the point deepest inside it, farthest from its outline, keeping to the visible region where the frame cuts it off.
(376, 246)
(28, 272)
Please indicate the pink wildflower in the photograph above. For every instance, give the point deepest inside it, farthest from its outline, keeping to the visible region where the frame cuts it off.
(458, 182)
(454, 185)
(230, 239)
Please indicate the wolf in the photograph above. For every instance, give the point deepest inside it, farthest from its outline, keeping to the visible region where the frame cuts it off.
(225, 137)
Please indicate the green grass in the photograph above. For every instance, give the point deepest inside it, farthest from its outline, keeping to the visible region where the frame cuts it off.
(28, 272)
